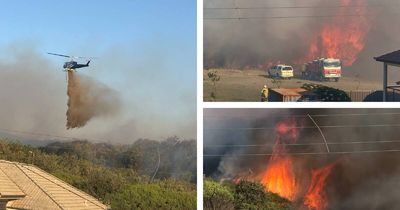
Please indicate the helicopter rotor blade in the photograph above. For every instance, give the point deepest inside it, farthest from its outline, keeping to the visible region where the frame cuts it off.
(88, 58)
(73, 57)
(67, 56)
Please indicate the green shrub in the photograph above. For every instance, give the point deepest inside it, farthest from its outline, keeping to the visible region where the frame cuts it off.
(252, 195)
(152, 196)
(217, 196)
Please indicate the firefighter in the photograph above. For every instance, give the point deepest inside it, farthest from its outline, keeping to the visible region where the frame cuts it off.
(264, 94)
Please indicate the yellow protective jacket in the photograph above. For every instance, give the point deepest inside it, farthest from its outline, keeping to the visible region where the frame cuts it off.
(264, 92)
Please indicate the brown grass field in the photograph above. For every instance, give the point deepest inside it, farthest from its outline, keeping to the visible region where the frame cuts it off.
(245, 85)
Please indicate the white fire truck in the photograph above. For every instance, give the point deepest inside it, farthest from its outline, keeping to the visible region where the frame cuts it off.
(323, 69)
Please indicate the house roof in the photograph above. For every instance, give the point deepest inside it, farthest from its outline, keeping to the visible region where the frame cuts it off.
(8, 189)
(41, 190)
(390, 58)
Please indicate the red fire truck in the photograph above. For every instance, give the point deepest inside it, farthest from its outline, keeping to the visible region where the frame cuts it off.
(323, 69)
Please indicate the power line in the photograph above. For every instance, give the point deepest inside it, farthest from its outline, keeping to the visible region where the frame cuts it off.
(295, 17)
(307, 153)
(315, 0)
(380, 1)
(309, 127)
(304, 144)
(315, 115)
(296, 7)
(354, 114)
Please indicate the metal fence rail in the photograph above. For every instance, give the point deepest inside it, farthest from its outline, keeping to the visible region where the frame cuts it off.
(393, 94)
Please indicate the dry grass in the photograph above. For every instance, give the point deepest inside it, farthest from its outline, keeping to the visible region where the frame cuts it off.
(245, 85)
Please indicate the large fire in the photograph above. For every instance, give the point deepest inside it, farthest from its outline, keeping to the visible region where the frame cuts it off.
(344, 35)
(279, 176)
(316, 197)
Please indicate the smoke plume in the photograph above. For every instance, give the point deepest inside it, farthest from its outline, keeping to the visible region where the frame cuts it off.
(88, 99)
(33, 95)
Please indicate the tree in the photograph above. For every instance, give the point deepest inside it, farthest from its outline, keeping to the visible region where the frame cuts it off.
(213, 76)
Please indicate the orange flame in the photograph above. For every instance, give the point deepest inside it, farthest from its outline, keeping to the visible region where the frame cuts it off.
(316, 197)
(237, 180)
(344, 36)
(279, 176)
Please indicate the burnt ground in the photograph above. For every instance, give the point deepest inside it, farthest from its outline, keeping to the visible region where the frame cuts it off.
(245, 85)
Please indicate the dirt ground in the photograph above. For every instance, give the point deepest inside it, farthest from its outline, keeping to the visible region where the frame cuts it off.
(245, 85)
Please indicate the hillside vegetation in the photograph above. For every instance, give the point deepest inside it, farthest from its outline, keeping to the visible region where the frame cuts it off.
(243, 195)
(114, 173)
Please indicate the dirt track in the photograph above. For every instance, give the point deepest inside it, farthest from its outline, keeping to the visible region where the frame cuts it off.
(238, 85)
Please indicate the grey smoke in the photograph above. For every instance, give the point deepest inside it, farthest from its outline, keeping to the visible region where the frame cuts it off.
(254, 43)
(33, 95)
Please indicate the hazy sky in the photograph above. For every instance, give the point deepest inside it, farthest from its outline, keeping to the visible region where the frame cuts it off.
(146, 50)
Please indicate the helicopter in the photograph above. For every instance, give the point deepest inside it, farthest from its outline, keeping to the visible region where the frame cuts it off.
(72, 65)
